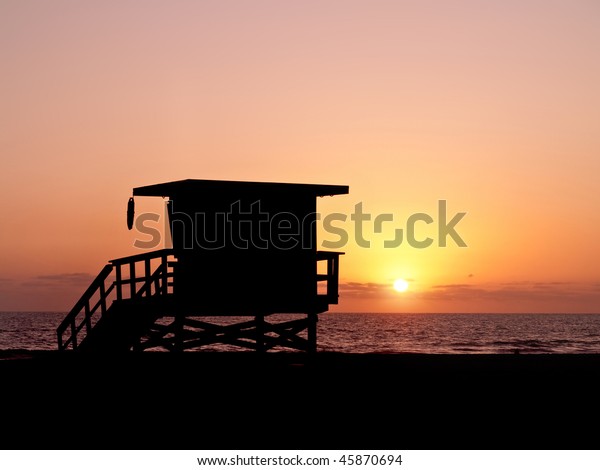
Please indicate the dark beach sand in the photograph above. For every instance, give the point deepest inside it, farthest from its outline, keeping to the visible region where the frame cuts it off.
(295, 401)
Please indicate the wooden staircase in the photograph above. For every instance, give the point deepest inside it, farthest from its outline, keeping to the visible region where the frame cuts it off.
(121, 304)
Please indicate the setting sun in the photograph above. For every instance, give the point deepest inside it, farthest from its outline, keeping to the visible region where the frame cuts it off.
(400, 285)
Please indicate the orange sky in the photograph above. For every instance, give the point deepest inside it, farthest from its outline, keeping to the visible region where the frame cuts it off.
(492, 106)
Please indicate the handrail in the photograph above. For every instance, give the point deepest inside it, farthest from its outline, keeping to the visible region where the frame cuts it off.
(141, 256)
(158, 277)
(83, 303)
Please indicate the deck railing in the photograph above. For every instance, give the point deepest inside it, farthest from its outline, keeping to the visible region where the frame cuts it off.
(330, 276)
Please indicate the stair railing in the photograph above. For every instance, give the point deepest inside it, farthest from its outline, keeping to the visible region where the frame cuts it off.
(107, 288)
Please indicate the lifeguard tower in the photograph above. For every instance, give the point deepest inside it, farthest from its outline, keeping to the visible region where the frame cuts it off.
(241, 252)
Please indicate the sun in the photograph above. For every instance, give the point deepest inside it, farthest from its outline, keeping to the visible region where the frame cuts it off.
(400, 285)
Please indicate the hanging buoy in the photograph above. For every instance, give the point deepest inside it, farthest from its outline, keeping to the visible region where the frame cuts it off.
(130, 213)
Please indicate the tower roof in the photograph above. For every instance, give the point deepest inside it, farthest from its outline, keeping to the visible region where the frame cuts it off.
(192, 186)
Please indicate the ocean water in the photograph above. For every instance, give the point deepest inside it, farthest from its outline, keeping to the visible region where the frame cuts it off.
(387, 332)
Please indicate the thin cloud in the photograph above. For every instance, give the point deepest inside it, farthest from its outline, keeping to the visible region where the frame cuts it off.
(535, 283)
(58, 280)
(452, 286)
(363, 289)
(67, 277)
(520, 291)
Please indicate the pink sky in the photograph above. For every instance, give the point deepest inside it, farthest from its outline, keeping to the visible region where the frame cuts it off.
(492, 106)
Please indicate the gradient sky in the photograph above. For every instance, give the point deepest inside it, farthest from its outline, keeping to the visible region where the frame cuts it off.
(492, 106)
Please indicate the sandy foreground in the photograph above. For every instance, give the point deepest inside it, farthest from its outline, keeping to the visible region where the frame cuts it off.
(297, 401)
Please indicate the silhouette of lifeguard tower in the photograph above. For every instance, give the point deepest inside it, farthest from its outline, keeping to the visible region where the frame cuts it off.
(241, 251)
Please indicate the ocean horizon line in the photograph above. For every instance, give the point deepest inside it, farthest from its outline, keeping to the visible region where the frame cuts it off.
(65, 312)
